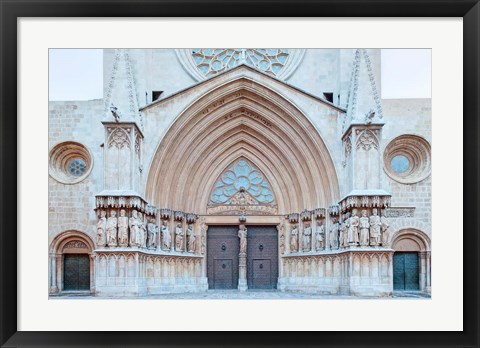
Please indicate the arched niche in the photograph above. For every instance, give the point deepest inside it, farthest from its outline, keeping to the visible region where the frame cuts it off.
(65, 243)
(242, 119)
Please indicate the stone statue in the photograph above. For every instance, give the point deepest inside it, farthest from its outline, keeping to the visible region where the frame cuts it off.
(385, 225)
(282, 244)
(344, 230)
(122, 229)
(320, 236)
(134, 229)
(294, 239)
(281, 231)
(364, 229)
(353, 222)
(178, 237)
(101, 228)
(307, 237)
(375, 228)
(166, 237)
(242, 234)
(112, 224)
(190, 239)
(152, 229)
(334, 237)
(143, 227)
(203, 246)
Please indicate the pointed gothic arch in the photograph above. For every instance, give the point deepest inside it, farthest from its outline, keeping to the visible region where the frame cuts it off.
(242, 118)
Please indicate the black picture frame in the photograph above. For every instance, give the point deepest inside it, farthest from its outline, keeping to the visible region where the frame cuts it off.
(11, 10)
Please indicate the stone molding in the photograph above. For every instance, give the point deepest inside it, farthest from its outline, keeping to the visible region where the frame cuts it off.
(207, 141)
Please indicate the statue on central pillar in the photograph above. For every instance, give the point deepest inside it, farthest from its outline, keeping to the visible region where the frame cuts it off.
(242, 234)
(242, 259)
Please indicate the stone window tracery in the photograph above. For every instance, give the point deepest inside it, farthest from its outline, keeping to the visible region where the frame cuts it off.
(203, 63)
(212, 61)
(240, 178)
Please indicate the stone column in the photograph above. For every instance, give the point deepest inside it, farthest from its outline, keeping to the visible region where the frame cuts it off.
(59, 268)
(53, 273)
(423, 270)
(242, 272)
(242, 257)
(92, 273)
(428, 274)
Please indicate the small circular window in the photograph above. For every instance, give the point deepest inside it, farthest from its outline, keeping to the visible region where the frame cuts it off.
(77, 167)
(407, 159)
(70, 162)
(400, 164)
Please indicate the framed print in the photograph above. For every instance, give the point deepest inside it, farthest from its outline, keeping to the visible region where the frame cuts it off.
(285, 194)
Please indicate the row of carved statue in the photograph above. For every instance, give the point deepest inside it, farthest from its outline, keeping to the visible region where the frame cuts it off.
(141, 231)
(350, 231)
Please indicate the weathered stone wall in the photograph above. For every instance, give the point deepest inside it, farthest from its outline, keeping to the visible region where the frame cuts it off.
(71, 205)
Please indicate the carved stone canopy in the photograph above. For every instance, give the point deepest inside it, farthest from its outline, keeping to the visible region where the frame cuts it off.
(365, 199)
(123, 199)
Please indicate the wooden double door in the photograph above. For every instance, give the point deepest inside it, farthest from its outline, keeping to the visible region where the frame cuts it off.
(223, 247)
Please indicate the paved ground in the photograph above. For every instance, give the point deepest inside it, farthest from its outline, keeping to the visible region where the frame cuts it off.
(253, 294)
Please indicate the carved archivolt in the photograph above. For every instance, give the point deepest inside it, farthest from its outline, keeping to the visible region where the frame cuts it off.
(297, 164)
(410, 240)
(407, 159)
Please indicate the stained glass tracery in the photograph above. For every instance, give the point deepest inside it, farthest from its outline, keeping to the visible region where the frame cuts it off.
(211, 61)
(242, 177)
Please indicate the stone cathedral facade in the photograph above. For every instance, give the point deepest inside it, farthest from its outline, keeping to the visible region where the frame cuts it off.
(240, 169)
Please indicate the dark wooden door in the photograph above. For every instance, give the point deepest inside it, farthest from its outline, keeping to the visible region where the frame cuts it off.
(76, 272)
(405, 271)
(223, 246)
(262, 257)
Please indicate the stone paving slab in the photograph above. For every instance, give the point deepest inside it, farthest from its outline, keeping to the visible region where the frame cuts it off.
(253, 295)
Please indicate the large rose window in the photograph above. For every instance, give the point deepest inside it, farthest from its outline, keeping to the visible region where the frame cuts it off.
(202, 63)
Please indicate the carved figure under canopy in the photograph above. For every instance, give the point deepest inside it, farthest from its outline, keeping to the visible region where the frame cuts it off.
(307, 237)
(166, 237)
(375, 228)
(242, 234)
(112, 223)
(364, 229)
(134, 229)
(385, 225)
(353, 223)
(152, 229)
(294, 239)
(190, 239)
(320, 236)
(179, 237)
(334, 237)
(101, 229)
(143, 229)
(122, 229)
